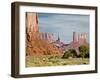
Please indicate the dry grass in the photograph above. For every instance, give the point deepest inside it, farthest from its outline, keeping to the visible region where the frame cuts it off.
(53, 61)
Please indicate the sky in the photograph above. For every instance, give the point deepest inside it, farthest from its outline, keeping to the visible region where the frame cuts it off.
(63, 25)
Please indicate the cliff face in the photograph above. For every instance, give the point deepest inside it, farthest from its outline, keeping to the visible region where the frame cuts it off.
(37, 46)
(78, 40)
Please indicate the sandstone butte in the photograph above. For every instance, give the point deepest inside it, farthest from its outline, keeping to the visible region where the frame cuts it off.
(35, 46)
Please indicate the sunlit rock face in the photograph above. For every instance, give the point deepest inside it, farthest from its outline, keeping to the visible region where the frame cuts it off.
(42, 43)
(38, 43)
(78, 40)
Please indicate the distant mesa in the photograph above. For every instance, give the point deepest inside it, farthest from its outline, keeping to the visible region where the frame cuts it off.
(42, 43)
(78, 40)
(58, 43)
(47, 36)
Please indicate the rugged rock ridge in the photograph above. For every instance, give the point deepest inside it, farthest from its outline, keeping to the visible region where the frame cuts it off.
(35, 45)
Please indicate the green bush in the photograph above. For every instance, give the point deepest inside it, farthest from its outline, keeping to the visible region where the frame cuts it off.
(84, 51)
(66, 55)
(70, 53)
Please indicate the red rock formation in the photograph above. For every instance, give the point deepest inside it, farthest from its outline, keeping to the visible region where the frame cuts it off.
(77, 41)
(47, 36)
(32, 22)
(38, 43)
(38, 47)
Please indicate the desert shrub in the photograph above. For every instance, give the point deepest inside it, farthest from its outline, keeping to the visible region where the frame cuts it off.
(79, 56)
(51, 57)
(70, 53)
(84, 51)
(66, 55)
(87, 55)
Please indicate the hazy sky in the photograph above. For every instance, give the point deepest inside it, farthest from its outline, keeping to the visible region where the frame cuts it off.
(63, 25)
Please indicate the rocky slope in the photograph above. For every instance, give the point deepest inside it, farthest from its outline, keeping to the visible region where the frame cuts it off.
(37, 47)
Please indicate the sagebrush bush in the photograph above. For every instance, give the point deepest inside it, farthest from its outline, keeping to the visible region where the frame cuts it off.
(84, 51)
(70, 53)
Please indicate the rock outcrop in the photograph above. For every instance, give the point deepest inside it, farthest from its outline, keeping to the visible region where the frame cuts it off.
(35, 45)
